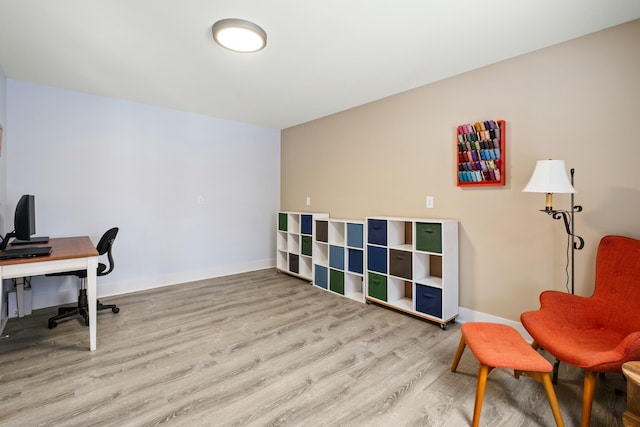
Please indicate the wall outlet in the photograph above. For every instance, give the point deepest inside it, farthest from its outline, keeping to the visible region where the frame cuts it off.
(308, 201)
(200, 200)
(430, 202)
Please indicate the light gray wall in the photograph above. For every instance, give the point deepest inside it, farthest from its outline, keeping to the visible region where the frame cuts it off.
(3, 181)
(3, 156)
(94, 163)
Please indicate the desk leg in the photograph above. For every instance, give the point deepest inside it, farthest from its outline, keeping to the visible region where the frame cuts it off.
(20, 295)
(92, 267)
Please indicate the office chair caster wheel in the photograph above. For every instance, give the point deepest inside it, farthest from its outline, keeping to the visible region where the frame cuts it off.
(115, 309)
(52, 324)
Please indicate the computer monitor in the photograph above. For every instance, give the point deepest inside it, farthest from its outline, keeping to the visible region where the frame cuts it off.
(24, 220)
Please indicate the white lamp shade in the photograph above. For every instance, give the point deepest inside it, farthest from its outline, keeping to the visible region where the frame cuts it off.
(549, 176)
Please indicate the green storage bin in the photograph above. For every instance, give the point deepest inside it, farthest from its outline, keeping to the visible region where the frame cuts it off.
(429, 237)
(377, 286)
(282, 221)
(306, 245)
(336, 281)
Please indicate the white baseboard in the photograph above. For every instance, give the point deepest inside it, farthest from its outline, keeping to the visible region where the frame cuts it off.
(119, 288)
(49, 296)
(467, 315)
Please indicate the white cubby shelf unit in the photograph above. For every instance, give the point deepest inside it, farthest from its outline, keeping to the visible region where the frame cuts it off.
(412, 266)
(294, 243)
(338, 257)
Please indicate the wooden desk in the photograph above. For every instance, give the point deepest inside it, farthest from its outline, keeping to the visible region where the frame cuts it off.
(67, 254)
(631, 417)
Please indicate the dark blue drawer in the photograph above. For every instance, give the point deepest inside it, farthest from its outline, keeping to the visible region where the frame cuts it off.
(336, 257)
(356, 260)
(321, 276)
(306, 224)
(377, 231)
(355, 235)
(429, 300)
(377, 259)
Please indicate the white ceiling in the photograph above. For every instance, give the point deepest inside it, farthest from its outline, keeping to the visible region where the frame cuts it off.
(322, 56)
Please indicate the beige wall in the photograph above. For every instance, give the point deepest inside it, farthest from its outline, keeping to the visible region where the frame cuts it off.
(578, 101)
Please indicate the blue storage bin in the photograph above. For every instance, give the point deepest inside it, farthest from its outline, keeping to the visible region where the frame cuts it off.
(377, 259)
(377, 231)
(321, 276)
(429, 300)
(356, 260)
(306, 224)
(336, 257)
(355, 235)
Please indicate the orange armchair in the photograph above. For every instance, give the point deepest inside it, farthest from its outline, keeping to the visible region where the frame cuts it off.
(599, 333)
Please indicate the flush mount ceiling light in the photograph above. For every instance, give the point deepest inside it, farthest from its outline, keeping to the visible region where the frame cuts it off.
(239, 35)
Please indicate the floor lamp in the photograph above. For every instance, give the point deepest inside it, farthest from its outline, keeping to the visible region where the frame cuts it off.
(550, 176)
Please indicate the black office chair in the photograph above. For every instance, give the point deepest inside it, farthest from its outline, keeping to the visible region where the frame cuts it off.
(104, 246)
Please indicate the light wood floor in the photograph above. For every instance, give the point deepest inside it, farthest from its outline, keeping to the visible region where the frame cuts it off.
(263, 349)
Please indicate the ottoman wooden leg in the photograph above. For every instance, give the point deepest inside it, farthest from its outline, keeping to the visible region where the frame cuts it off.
(456, 358)
(483, 372)
(500, 345)
(545, 379)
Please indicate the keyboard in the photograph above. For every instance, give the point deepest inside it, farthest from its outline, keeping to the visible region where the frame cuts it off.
(25, 252)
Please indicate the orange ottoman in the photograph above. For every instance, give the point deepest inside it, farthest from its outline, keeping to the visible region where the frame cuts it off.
(501, 346)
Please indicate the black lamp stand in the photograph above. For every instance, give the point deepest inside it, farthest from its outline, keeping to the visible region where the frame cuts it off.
(577, 243)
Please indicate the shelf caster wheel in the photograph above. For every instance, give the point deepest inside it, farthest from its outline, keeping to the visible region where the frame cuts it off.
(368, 302)
(115, 309)
(444, 326)
(52, 324)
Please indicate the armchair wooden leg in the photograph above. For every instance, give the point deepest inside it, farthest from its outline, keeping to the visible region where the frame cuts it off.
(587, 397)
(456, 358)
